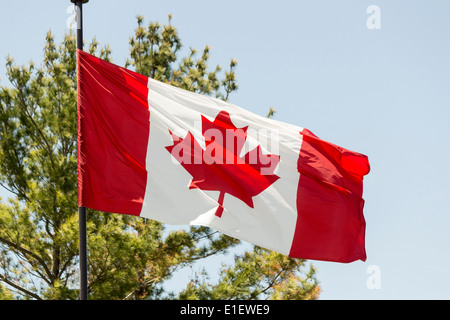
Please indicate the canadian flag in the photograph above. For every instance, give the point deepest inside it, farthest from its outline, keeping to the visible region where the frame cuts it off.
(149, 149)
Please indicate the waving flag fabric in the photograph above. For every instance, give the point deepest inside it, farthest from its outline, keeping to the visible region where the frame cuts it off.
(153, 150)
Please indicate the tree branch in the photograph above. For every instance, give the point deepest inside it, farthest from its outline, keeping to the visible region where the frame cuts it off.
(28, 253)
(26, 113)
(16, 286)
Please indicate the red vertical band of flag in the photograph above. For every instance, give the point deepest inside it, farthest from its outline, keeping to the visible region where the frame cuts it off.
(330, 224)
(113, 120)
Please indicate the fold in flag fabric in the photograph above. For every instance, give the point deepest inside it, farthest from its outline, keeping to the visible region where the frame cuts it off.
(146, 148)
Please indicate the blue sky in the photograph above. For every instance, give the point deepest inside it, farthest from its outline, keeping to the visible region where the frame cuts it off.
(382, 92)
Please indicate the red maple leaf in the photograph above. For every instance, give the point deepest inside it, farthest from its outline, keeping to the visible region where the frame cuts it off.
(219, 167)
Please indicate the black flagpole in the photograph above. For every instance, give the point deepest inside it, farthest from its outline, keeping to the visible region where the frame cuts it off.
(81, 210)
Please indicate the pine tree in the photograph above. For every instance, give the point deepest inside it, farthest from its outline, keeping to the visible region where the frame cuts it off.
(128, 257)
